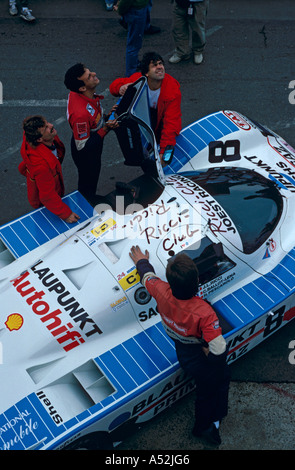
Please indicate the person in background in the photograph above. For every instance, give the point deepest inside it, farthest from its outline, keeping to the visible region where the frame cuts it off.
(25, 13)
(189, 15)
(43, 152)
(149, 28)
(194, 327)
(135, 15)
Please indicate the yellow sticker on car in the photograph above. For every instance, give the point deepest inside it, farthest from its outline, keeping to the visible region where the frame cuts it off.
(103, 228)
(129, 280)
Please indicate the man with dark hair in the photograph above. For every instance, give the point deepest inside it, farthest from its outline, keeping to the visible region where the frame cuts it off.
(194, 327)
(89, 126)
(183, 277)
(164, 98)
(43, 152)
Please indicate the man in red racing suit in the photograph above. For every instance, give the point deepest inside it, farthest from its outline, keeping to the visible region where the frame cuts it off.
(193, 325)
(89, 127)
(43, 152)
(164, 98)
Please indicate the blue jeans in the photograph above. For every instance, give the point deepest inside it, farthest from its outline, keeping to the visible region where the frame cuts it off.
(136, 20)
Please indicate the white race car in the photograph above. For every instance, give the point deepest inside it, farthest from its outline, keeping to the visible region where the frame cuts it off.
(83, 354)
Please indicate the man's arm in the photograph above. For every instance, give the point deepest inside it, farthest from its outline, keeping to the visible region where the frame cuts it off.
(119, 86)
(141, 261)
(171, 123)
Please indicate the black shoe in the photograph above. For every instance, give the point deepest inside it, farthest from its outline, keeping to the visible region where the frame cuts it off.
(211, 435)
(152, 30)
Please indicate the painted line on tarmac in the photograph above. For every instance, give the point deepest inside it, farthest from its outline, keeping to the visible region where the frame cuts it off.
(34, 103)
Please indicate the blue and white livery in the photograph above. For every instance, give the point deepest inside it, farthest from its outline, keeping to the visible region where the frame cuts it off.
(84, 357)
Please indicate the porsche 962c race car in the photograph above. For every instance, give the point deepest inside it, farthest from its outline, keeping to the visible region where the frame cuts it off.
(84, 357)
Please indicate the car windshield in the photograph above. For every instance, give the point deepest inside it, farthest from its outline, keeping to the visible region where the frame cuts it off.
(252, 201)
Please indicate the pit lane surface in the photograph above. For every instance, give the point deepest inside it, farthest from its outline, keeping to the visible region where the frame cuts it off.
(249, 64)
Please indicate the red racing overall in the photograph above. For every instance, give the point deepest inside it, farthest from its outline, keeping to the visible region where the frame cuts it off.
(193, 324)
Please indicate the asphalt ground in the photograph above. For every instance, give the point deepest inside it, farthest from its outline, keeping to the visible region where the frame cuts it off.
(248, 67)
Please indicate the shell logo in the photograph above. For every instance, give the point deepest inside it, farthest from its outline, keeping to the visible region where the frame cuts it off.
(14, 321)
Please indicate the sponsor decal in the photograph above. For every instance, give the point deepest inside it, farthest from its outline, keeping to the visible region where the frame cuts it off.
(270, 248)
(238, 120)
(22, 425)
(272, 244)
(57, 419)
(211, 286)
(14, 322)
(90, 109)
(81, 129)
(245, 339)
(129, 280)
(282, 148)
(119, 303)
(215, 324)
(266, 254)
(62, 330)
(156, 399)
(165, 396)
(103, 228)
(284, 180)
(146, 315)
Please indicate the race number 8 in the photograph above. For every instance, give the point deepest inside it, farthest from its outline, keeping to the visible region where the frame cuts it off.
(228, 151)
